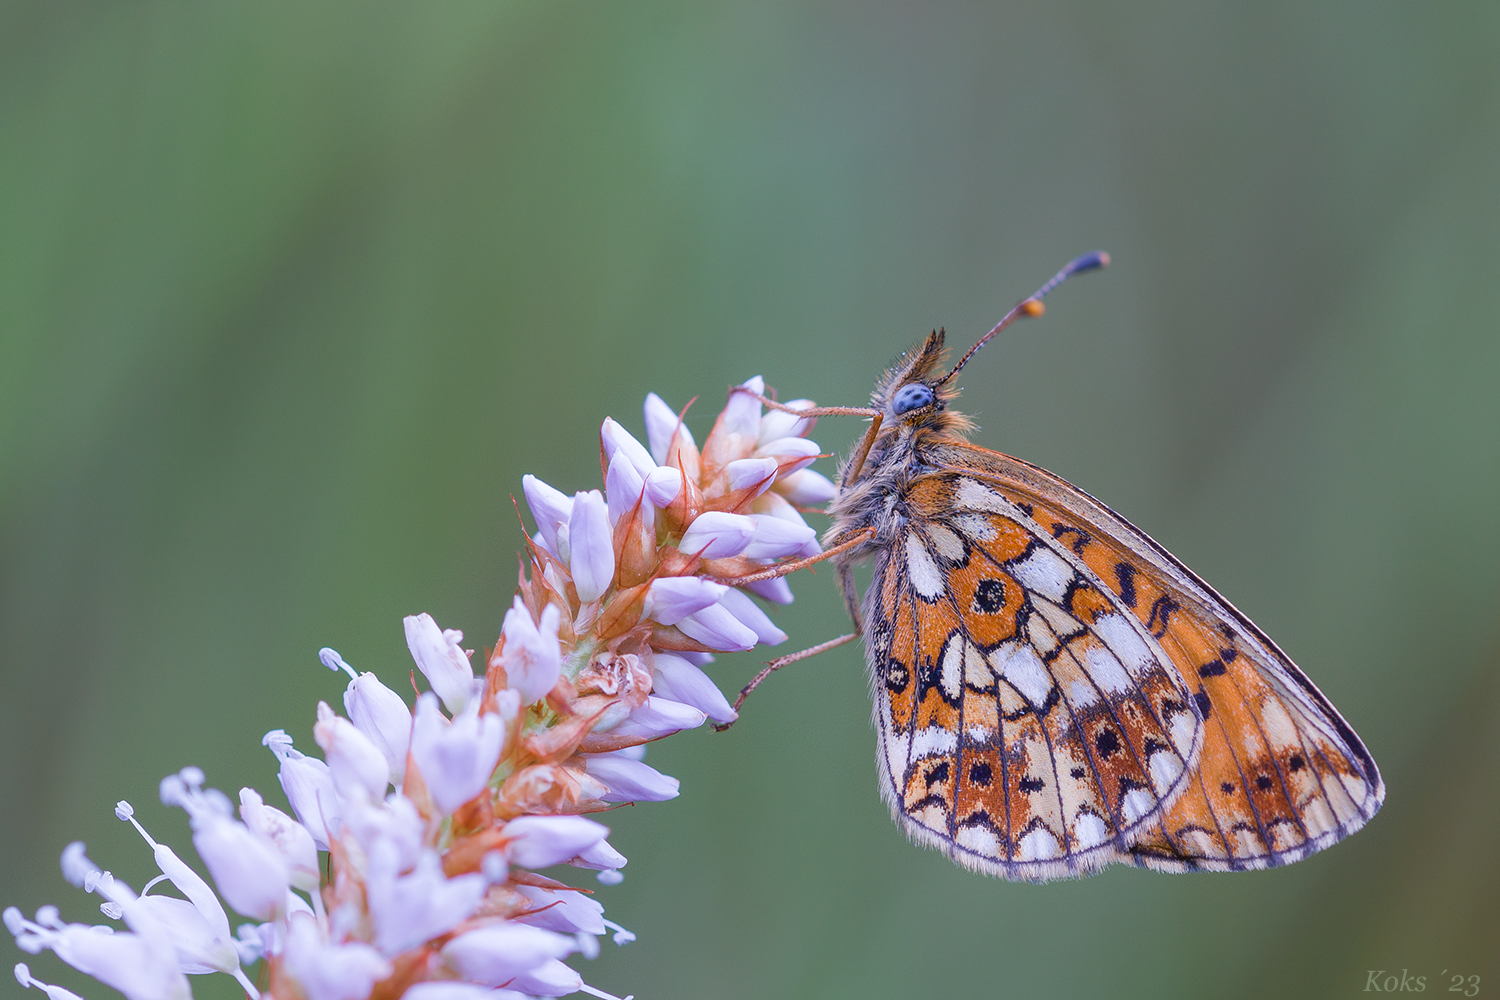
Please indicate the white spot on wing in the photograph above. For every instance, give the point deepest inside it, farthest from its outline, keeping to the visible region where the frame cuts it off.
(1137, 803)
(951, 677)
(1280, 732)
(975, 496)
(980, 840)
(1165, 766)
(947, 544)
(1042, 638)
(976, 669)
(1200, 843)
(1317, 817)
(1062, 622)
(896, 746)
(1183, 727)
(1123, 640)
(1038, 845)
(1044, 572)
(1082, 694)
(1090, 831)
(1020, 666)
(1105, 671)
(976, 527)
(923, 571)
(933, 740)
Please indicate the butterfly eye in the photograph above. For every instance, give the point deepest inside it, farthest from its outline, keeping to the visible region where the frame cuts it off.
(912, 397)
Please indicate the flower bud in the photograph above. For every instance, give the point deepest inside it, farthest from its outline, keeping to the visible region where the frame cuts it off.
(543, 841)
(550, 508)
(618, 441)
(456, 758)
(661, 424)
(744, 473)
(290, 839)
(717, 535)
(806, 487)
(441, 659)
(792, 454)
(353, 760)
(776, 537)
(630, 780)
(675, 679)
(658, 717)
(563, 911)
(776, 590)
(308, 787)
(592, 560)
(663, 486)
(327, 971)
(670, 599)
(532, 656)
(751, 616)
(383, 717)
(498, 953)
(624, 487)
(741, 414)
(550, 979)
(716, 628)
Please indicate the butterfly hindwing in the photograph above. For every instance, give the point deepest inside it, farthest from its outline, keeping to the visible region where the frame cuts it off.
(1279, 775)
(1029, 725)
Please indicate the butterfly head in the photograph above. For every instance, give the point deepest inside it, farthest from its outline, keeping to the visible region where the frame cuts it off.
(913, 394)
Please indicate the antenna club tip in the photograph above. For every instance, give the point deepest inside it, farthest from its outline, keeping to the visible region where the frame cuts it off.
(1088, 262)
(1032, 308)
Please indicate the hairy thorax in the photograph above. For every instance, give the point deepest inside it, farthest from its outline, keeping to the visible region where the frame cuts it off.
(873, 497)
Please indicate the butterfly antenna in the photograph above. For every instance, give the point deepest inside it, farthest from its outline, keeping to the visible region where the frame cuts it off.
(1032, 304)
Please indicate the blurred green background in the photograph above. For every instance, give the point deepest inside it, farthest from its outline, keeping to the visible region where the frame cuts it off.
(291, 296)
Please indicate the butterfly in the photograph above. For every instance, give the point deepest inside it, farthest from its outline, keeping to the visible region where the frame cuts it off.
(1055, 692)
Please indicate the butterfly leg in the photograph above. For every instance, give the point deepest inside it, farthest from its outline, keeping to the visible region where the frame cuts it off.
(778, 663)
(851, 596)
(782, 569)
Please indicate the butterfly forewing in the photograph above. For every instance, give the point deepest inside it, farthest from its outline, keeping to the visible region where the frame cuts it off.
(1030, 726)
(1279, 774)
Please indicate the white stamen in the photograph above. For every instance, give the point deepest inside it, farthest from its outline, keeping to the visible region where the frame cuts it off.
(333, 661)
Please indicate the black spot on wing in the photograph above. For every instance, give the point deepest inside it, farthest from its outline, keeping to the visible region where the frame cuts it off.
(1030, 785)
(989, 596)
(1204, 705)
(1161, 610)
(897, 677)
(1080, 540)
(1213, 668)
(1125, 575)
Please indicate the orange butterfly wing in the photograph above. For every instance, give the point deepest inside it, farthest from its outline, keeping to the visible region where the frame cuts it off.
(1280, 774)
(1029, 725)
